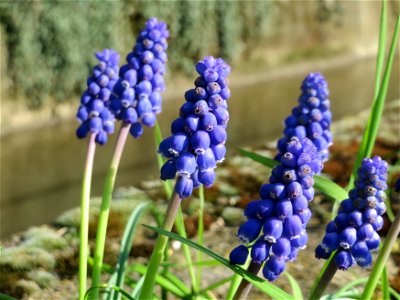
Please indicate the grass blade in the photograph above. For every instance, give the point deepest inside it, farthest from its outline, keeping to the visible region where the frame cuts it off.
(371, 130)
(236, 282)
(107, 286)
(6, 297)
(322, 183)
(382, 258)
(126, 242)
(163, 281)
(217, 284)
(297, 293)
(138, 287)
(263, 285)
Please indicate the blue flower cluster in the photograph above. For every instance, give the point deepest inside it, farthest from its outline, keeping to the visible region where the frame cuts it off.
(353, 233)
(198, 136)
(312, 117)
(93, 113)
(137, 98)
(275, 229)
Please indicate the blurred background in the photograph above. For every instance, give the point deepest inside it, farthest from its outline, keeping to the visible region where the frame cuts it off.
(47, 49)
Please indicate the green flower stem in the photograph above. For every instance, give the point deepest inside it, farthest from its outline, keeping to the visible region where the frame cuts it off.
(200, 230)
(179, 222)
(84, 228)
(244, 288)
(159, 248)
(105, 206)
(382, 258)
(325, 279)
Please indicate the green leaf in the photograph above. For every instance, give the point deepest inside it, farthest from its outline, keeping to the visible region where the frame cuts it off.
(217, 284)
(263, 285)
(179, 283)
(322, 183)
(108, 286)
(126, 243)
(236, 281)
(350, 286)
(371, 130)
(163, 281)
(6, 297)
(297, 293)
(138, 287)
(204, 263)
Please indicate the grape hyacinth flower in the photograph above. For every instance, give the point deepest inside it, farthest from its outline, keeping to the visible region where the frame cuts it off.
(136, 99)
(193, 150)
(312, 117)
(275, 226)
(197, 143)
(93, 113)
(354, 231)
(137, 94)
(98, 120)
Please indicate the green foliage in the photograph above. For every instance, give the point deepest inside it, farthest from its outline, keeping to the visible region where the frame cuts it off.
(262, 284)
(50, 44)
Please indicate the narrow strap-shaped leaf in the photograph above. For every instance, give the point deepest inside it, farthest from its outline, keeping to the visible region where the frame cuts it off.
(6, 297)
(162, 281)
(179, 283)
(322, 183)
(368, 140)
(126, 242)
(108, 286)
(138, 287)
(217, 284)
(236, 281)
(262, 284)
(297, 293)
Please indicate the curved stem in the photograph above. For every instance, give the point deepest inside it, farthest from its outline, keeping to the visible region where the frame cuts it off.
(382, 258)
(159, 248)
(105, 206)
(84, 228)
(244, 288)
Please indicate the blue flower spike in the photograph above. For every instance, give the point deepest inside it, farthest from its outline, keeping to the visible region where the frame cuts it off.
(197, 143)
(93, 113)
(312, 118)
(275, 230)
(137, 94)
(354, 232)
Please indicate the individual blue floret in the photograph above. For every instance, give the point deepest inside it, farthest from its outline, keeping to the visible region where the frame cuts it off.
(312, 117)
(275, 229)
(137, 95)
(353, 233)
(93, 113)
(197, 143)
